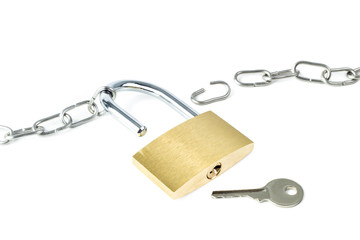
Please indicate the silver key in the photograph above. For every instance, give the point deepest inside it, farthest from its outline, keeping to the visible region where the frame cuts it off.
(283, 192)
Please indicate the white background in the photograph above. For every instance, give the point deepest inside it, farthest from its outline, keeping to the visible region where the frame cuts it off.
(81, 184)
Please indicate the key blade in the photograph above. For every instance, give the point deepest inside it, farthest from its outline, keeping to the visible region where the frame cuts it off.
(260, 194)
(225, 194)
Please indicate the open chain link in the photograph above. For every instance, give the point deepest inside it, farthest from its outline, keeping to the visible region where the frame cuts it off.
(7, 134)
(352, 75)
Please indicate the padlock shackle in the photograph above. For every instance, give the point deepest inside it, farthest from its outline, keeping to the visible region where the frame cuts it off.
(127, 119)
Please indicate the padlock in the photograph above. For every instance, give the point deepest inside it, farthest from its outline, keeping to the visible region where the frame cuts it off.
(187, 156)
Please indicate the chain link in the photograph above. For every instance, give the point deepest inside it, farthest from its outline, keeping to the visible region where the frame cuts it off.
(266, 78)
(96, 94)
(36, 125)
(352, 75)
(64, 118)
(94, 112)
(324, 77)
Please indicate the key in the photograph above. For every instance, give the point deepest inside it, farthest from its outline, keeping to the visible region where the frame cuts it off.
(283, 192)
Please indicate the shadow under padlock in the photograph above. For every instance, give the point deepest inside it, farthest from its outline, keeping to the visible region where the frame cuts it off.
(187, 156)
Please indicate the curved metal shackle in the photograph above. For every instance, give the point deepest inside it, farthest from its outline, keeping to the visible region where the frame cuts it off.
(132, 85)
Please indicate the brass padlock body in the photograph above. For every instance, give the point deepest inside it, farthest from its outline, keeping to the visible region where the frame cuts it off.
(191, 154)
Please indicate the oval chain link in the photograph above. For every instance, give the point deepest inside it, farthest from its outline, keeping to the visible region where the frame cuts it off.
(36, 125)
(94, 113)
(352, 75)
(267, 80)
(349, 72)
(65, 119)
(310, 79)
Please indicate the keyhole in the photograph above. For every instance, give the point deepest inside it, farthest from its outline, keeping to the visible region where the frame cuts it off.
(291, 190)
(213, 173)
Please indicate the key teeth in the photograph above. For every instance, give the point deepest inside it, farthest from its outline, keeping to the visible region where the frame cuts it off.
(261, 200)
(260, 195)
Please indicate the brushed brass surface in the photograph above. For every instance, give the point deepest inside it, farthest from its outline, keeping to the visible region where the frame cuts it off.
(181, 160)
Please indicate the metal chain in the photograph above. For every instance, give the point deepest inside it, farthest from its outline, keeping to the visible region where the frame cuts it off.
(352, 75)
(65, 118)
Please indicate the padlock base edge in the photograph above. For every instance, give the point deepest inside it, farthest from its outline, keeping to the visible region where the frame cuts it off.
(201, 178)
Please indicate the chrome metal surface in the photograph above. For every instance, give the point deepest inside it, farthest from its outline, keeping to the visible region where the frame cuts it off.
(7, 132)
(36, 125)
(357, 74)
(316, 80)
(264, 82)
(283, 192)
(211, 100)
(25, 132)
(350, 74)
(94, 112)
(283, 74)
(357, 71)
(96, 94)
(131, 85)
